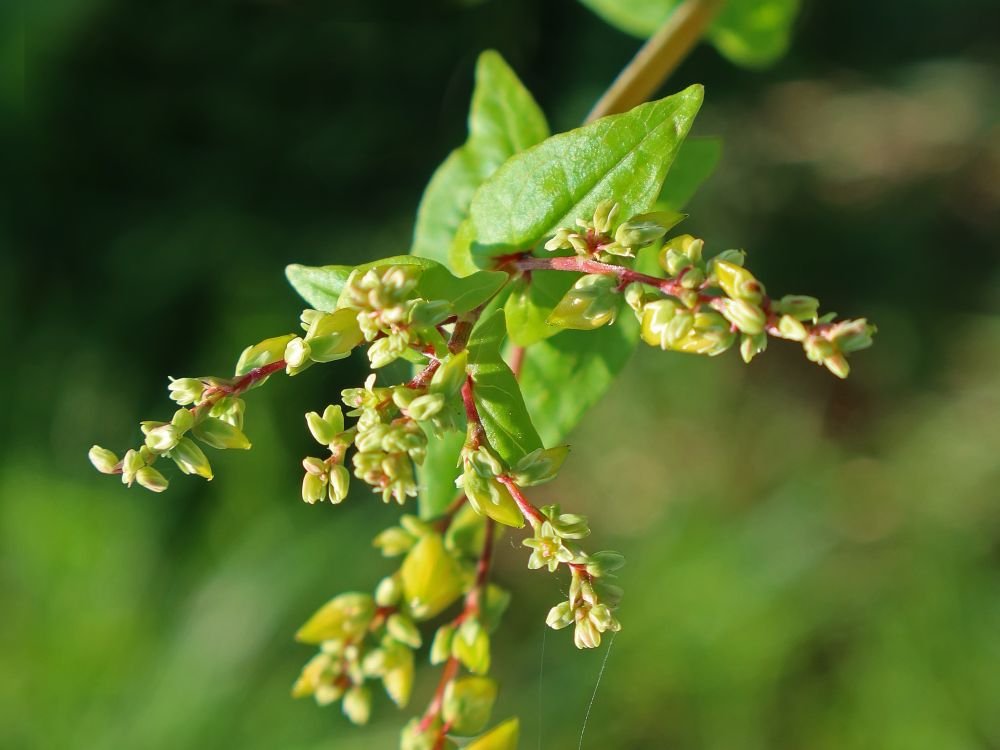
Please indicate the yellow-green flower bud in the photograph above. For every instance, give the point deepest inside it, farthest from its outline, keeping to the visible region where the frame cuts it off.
(560, 616)
(837, 364)
(402, 628)
(183, 420)
(426, 406)
(738, 282)
(471, 646)
(432, 578)
(313, 487)
(489, 497)
(297, 353)
(186, 390)
(450, 376)
(744, 315)
(680, 253)
(322, 431)
(131, 463)
(103, 460)
(339, 483)
(590, 304)
(151, 479)
(751, 346)
(468, 703)
(162, 438)
(394, 541)
(817, 348)
(388, 592)
(852, 335)
(345, 617)
(605, 562)
(441, 645)
(586, 634)
(503, 736)
(191, 459)
(540, 466)
(605, 215)
(222, 435)
(791, 328)
(264, 353)
(799, 306)
(646, 228)
(332, 336)
(398, 682)
(656, 317)
(357, 704)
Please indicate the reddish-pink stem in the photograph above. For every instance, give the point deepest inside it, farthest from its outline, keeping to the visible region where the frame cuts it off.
(529, 511)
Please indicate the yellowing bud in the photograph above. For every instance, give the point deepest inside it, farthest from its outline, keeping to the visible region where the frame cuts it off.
(103, 460)
(432, 578)
(737, 282)
(468, 703)
(590, 304)
(344, 617)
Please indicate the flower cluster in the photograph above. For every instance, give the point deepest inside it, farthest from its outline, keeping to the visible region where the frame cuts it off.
(702, 306)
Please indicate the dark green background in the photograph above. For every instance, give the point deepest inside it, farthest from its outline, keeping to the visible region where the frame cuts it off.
(812, 564)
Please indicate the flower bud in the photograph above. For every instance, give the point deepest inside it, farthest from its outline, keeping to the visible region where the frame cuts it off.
(560, 616)
(791, 328)
(426, 406)
(394, 541)
(852, 335)
(186, 390)
(398, 682)
(450, 376)
(738, 282)
(315, 466)
(162, 438)
(468, 703)
(343, 618)
(313, 487)
(586, 634)
(103, 460)
(751, 346)
(264, 353)
(441, 645)
(191, 459)
(332, 336)
(798, 306)
(151, 479)
(679, 253)
(431, 577)
(401, 628)
(744, 315)
(655, 318)
(604, 216)
(131, 463)
(297, 355)
(339, 483)
(322, 431)
(539, 466)
(218, 434)
(183, 420)
(603, 563)
(357, 704)
(837, 364)
(388, 592)
(817, 348)
(590, 304)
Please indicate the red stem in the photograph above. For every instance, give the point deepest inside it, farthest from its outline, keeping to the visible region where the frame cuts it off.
(529, 511)
(472, 414)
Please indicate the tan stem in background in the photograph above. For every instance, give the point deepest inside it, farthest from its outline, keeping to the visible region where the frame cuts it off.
(657, 58)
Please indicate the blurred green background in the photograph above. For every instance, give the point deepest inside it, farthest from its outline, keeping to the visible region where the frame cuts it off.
(812, 564)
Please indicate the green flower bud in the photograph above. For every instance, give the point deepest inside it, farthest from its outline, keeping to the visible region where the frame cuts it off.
(560, 616)
(679, 253)
(489, 497)
(539, 466)
(817, 348)
(471, 646)
(339, 483)
(566, 525)
(218, 434)
(441, 645)
(503, 736)
(344, 618)
(322, 431)
(163, 438)
(402, 628)
(646, 228)
(450, 376)
(798, 306)
(431, 577)
(586, 634)
(264, 353)
(426, 406)
(751, 346)
(357, 704)
(790, 328)
(468, 703)
(656, 317)
(229, 409)
(314, 465)
(852, 335)
(692, 278)
(737, 282)
(387, 350)
(604, 563)
(837, 364)
(151, 479)
(131, 463)
(186, 390)
(398, 682)
(388, 592)
(297, 353)
(605, 215)
(744, 315)
(332, 336)
(394, 541)
(191, 459)
(103, 460)
(590, 304)
(183, 420)
(313, 487)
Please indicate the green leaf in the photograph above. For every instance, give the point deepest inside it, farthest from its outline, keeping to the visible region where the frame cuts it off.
(564, 376)
(752, 33)
(501, 737)
(623, 157)
(464, 293)
(438, 473)
(498, 397)
(531, 301)
(321, 286)
(503, 120)
(695, 163)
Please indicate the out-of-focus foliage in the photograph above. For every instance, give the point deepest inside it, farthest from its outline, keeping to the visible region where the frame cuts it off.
(811, 563)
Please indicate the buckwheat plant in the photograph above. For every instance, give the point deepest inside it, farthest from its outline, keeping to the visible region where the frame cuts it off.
(538, 265)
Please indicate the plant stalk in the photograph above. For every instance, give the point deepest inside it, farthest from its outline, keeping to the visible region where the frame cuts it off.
(657, 58)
